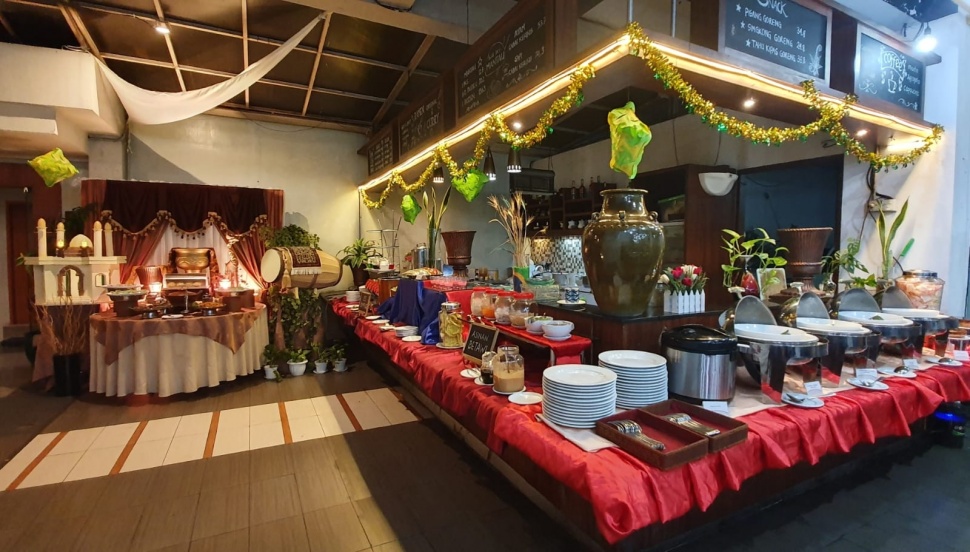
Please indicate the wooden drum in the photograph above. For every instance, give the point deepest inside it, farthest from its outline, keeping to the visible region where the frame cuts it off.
(302, 267)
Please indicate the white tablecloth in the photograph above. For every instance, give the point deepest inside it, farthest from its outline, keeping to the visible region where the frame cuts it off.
(176, 363)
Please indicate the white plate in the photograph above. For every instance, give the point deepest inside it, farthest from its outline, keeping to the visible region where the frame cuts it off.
(915, 313)
(875, 318)
(876, 385)
(579, 375)
(767, 332)
(387, 328)
(469, 373)
(411, 338)
(380, 322)
(508, 393)
(172, 316)
(478, 381)
(540, 332)
(525, 398)
(887, 371)
(372, 317)
(456, 347)
(828, 325)
(560, 338)
(632, 359)
(574, 415)
(572, 303)
(933, 359)
(808, 402)
(583, 404)
(584, 391)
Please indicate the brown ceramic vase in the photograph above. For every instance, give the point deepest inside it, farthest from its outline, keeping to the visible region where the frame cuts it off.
(622, 251)
(459, 246)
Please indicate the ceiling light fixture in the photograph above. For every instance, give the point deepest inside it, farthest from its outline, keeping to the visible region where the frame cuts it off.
(439, 175)
(515, 161)
(488, 167)
(861, 132)
(926, 43)
(162, 28)
(516, 125)
(749, 103)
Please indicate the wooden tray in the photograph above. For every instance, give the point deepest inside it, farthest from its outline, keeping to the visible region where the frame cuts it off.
(683, 446)
(732, 431)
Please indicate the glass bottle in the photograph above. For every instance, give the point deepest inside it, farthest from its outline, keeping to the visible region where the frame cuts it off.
(508, 370)
(450, 325)
(923, 288)
(520, 308)
(582, 188)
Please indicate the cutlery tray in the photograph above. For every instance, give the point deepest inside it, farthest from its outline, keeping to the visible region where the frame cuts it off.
(683, 446)
(732, 433)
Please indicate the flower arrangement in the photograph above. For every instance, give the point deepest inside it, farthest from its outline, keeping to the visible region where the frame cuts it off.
(684, 291)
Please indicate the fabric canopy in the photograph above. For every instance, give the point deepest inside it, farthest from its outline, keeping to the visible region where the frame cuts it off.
(157, 108)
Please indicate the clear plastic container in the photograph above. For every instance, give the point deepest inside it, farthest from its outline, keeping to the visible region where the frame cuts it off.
(521, 305)
(923, 288)
(479, 296)
(503, 307)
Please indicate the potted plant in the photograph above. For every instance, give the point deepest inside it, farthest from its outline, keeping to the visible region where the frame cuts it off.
(272, 357)
(338, 356)
(64, 328)
(296, 361)
(321, 357)
(356, 256)
(845, 259)
(738, 279)
(886, 241)
(514, 218)
(684, 289)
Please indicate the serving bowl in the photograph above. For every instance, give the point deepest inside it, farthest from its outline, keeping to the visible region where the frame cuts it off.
(558, 328)
(535, 323)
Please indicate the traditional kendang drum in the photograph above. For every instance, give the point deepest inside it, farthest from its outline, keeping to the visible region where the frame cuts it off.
(303, 267)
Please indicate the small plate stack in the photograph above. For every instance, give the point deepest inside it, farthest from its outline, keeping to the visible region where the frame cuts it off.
(404, 331)
(577, 395)
(641, 377)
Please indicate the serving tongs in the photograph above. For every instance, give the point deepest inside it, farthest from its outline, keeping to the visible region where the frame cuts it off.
(685, 421)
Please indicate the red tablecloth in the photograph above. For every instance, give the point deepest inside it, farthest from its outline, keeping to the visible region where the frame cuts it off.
(373, 286)
(566, 352)
(628, 495)
(339, 307)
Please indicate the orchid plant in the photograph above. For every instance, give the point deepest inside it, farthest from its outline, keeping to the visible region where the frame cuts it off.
(684, 278)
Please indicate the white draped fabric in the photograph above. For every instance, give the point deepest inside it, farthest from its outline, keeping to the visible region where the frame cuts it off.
(156, 108)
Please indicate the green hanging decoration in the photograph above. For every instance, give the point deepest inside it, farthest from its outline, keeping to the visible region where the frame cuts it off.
(410, 208)
(53, 167)
(471, 185)
(628, 137)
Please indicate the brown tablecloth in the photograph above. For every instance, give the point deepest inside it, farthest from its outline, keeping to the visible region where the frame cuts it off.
(136, 356)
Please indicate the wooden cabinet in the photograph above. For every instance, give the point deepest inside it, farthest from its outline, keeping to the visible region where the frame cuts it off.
(696, 239)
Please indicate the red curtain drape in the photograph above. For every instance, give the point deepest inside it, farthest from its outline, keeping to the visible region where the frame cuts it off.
(249, 250)
(274, 208)
(92, 193)
(137, 248)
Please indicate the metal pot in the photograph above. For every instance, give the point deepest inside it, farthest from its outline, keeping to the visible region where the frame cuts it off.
(700, 363)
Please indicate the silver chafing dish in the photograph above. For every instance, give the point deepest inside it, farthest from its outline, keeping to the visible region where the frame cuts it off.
(931, 322)
(769, 352)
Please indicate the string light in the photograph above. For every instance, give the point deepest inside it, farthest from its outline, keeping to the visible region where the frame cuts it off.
(515, 161)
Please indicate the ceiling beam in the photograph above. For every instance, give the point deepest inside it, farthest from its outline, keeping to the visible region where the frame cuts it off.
(237, 111)
(459, 21)
(50, 4)
(316, 63)
(80, 31)
(245, 42)
(168, 43)
(405, 76)
(6, 25)
(224, 74)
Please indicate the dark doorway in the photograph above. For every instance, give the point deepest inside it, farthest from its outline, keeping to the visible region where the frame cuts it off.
(18, 241)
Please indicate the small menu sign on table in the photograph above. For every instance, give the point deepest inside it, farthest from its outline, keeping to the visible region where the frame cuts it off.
(781, 32)
(481, 339)
(888, 74)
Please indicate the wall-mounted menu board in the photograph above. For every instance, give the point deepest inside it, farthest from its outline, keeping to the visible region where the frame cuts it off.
(781, 32)
(509, 53)
(422, 121)
(888, 74)
(381, 151)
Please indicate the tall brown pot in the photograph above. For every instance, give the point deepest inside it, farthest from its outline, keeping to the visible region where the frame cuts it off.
(459, 246)
(622, 251)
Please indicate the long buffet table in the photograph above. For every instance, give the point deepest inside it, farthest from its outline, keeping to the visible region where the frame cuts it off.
(626, 495)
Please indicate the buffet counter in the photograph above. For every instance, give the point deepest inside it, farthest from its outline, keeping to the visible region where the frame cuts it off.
(179, 355)
(615, 498)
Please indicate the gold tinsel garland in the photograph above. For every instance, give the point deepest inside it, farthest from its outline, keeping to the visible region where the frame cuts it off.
(830, 115)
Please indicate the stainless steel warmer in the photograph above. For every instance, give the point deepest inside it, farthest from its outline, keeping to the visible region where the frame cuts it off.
(892, 334)
(930, 324)
(701, 363)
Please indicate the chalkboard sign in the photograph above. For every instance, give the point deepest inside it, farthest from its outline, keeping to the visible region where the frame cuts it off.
(421, 122)
(780, 32)
(889, 75)
(380, 152)
(503, 58)
(481, 339)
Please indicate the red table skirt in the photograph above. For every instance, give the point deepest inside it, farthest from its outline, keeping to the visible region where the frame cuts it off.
(628, 495)
(339, 307)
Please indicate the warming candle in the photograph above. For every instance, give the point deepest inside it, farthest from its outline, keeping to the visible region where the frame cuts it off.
(60, 235)
(98, 239)
(41, 238)
(109, 244)
(225, 283)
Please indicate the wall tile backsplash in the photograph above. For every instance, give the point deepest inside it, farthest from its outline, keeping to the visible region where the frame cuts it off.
(563, 254)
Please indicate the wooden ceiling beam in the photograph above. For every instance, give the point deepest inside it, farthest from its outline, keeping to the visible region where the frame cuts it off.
(405, 76)
(316, 63)
(6, 25)
(168, 43)
(245, 42)
(50, 4)
(282, 117)
(80, 31)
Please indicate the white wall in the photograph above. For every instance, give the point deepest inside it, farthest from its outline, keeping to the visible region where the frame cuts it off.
(318, 169)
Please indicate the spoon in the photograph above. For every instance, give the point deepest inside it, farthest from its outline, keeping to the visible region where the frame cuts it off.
(794, 399)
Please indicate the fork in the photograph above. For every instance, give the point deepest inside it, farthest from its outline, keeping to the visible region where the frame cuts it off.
(690, 423)
(629, 427)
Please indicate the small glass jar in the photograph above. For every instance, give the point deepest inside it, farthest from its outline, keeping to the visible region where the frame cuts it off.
(508, 370)
(521, 305)
(479, 296)
(923, 288)
(450, 325)
(503, 307)
(488, 306)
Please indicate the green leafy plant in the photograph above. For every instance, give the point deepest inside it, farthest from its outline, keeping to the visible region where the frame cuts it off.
(320, 352)
(338, 351)
(847, 260)
(358, 253)
(273, 357)
(886, 239)
(296, 356)
(738, 247)
(290, 235)
(74, 220)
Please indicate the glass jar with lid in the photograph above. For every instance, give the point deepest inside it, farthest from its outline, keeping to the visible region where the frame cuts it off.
(522, 303)
(488, 304)
(508, 370)
(479, 296)
(450, 325)
(923, 288)
(503, 307)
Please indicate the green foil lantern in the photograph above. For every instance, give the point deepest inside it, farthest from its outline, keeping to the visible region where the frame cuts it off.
(628, 137)
(53, 167)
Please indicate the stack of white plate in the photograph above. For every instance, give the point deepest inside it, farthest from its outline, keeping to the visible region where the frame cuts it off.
(641, 377)
(404, 331)
(576, 395)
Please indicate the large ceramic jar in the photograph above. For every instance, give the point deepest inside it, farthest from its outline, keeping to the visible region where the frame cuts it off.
(622, 251)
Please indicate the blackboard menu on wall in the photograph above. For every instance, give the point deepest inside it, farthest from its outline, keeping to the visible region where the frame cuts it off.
(503, 59)
(780, 32)
(889, 75)
(421, 122)
(380, 152)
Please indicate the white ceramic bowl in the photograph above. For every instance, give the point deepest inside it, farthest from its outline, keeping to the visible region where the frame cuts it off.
(535, 323)
(353, 296)
(557, 328)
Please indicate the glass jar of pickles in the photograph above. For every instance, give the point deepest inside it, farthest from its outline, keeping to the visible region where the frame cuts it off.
(450, 325)
(503, 307)
(521, 304)
(508, 370)
(488, 304)
(923, 288)
(479, 296)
